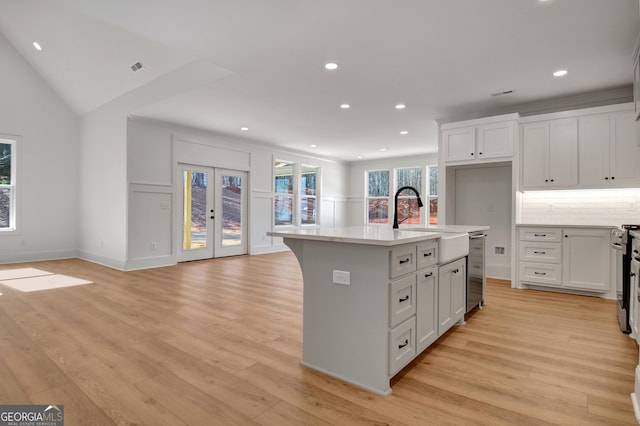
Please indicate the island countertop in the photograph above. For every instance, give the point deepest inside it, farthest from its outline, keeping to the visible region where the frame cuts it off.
(370, 235)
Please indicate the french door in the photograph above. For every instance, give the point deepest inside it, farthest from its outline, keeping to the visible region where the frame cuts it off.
(213, 213)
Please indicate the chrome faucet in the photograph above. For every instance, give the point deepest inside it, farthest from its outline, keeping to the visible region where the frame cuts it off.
(395, 203)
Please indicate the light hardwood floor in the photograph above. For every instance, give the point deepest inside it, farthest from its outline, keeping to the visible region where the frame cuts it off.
(219, 343)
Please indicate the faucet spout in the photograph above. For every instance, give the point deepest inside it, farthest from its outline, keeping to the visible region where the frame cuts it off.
(395, 203)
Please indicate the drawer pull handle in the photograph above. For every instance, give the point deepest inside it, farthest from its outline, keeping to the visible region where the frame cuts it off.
(539, 235)
(455, 271)
(402, 345)
(631, 274)
(540, 273)
(428, 254)
(430, 274)
(402, 262)
(539, 252)
(403, 299)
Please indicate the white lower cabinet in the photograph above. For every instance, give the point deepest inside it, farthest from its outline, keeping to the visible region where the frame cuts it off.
(586, 259)
(402, 345)
(572, 258)
(427, 314)
(451, 294)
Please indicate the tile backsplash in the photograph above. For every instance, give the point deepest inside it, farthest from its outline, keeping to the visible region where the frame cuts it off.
(580, 207)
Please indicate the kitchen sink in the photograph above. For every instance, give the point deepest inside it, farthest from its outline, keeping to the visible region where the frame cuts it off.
(452, 247)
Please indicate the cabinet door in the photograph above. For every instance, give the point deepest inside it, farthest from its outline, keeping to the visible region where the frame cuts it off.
(427, 308)
(535, 155)
(445, 314)
(452, 301)
(459, 144)
(595, 135)
(496, 140)
(459, 290)
(563, 152)
(624, 153)
(586, 259)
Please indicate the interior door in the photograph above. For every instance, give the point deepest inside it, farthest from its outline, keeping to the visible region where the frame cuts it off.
(231, 213)
(196, 192)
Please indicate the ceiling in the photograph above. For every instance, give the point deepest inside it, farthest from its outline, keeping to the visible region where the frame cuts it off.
(441, 58)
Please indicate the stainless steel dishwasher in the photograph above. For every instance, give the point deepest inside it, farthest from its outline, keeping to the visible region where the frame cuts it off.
(476, 283)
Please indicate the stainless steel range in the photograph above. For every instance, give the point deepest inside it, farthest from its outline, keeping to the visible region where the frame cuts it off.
(621, 245)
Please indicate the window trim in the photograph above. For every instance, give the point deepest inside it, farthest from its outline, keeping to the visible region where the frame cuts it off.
(296, 196)
(14, 221)
(367, 197)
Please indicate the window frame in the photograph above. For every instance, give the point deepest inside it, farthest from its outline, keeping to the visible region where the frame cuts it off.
(367, 198)
(411, 196)
(296, 194)
(315, 196)
(13, 187)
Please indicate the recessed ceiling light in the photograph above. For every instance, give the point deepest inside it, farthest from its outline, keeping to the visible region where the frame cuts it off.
(244, 129)
(345, 106)
(404, 132)
(384, 149)
(313, 146)
(401, 106)
(331, 66)
(560, 73)
(37, 45)
(359, 156)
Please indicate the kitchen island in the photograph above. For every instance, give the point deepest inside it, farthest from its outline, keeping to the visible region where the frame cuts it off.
(375, 298)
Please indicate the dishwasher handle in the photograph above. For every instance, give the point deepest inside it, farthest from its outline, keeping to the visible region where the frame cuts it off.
(475, 237)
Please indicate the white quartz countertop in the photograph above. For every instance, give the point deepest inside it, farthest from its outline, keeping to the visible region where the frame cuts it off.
(371, 235)
(453, 228)
(564, 225)
(376, 235)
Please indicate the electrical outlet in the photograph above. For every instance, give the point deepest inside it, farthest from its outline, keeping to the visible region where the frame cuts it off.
(341, 277)
(154, 246)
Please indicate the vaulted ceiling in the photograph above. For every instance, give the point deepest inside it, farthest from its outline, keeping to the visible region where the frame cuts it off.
(440, 58)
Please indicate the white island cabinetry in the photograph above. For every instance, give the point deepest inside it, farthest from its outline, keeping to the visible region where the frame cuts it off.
(371, 299)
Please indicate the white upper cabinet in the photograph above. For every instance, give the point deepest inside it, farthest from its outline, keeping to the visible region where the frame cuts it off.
(459, 144)
(482, 140)
(550, 154)
(608, 151)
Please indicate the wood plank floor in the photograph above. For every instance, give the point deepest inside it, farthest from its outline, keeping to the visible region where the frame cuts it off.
(220, 342)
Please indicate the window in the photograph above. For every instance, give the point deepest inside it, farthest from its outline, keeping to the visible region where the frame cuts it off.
(283, 199)
(7, 185)
(433, 195)
(308, 195)
(296, 190)
(408, 209)
(378, 196)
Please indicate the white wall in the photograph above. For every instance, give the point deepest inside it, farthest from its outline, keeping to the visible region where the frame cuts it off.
(357, 175)
(483, 197)
(47, 178)
(103, 229)
(154, 149)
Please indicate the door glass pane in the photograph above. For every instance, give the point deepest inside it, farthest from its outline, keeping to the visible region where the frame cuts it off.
(195, 210)
(231, 211)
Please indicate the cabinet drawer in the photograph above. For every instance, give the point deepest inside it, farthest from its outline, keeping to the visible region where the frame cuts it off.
(427, 254)
(541, 273)
(541, 234)
(402, 300)
(402, 345)
(402, 261)
(531, 251)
